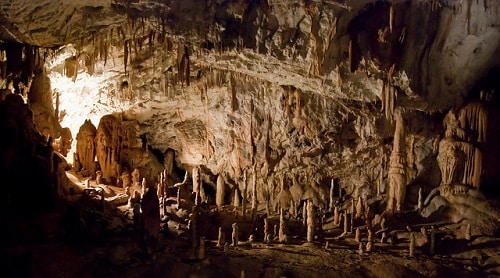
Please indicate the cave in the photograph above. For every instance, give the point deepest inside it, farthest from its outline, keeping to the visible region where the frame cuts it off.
(250, 138)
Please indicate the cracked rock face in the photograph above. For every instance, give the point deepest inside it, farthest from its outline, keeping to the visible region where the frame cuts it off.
(289, 92)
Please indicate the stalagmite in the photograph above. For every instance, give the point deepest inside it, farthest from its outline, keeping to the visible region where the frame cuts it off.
(195, 232)
(432, 246)
(85, 146)
(244, 195)
(221, 238)
(369, 245)
(468, 234)
(360, 209)
(281, 232)
(336, 216)
(357, 236)
(304, 214)
(346, 223)
(234, 235)
(267, 231)
(201, 249)
(332, 201)
(219, 198)
(196, 179)
(310, 221)
(236, 201)
(420, 204)
(254, 194)
(144, 186)
(412, 245)
(352, 216)
(360, 249)
(383, 238)
(397, 177)
(98, 177)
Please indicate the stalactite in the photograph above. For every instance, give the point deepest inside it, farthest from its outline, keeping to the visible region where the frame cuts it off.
(391, 17)
(351, 66)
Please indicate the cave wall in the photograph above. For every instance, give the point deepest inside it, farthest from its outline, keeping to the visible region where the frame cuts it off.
(303, 92)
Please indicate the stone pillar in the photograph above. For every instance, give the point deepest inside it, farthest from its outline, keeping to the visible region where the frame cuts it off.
(346, 223)
(144, 186)
(468, 233)
(219, 198)
(221, 238)
(432, 246)
(254, 194)
(336, 216)
(310, 221)
(304, 213)
(360, 210)
(201, 249)
(236, 202)
(98, 177)
(412, 245)
(234, 235)
(244, 195)
(352, 216)
(420, 204)
(369, 245)
(267, 232)
(281, 233)
(85, 146)
(332, 202)
(397, 165)
(196, 179)
(383, 238)
(136, 175)
(195, 232)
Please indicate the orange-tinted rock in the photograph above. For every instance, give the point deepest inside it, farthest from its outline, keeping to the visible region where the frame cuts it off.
(108, 146)
(85, 145)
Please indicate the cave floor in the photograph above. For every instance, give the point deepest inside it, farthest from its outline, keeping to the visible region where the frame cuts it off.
(124, 255)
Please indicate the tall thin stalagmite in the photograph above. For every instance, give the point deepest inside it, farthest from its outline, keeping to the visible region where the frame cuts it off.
(397, 163)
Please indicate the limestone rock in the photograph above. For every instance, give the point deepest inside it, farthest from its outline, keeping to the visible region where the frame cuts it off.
(85, 146)
(108, 147)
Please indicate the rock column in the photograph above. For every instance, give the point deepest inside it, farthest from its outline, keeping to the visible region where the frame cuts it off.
(219, 198)
(397, 163)
(310, 221)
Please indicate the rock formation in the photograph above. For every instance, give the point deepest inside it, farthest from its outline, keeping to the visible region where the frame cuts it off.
(85, 146)
(108, 147)
(397, 166)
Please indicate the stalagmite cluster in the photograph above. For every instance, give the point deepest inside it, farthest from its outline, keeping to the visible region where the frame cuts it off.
(338, 121)
(460, 155)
